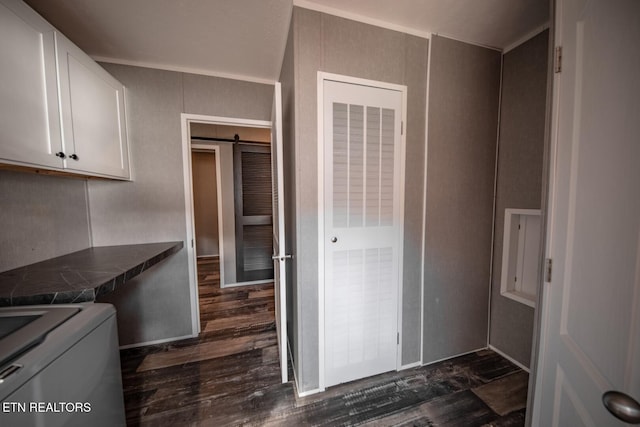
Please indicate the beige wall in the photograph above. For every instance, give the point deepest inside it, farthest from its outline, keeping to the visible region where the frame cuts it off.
(519, 180)
(463, 118)
(205, 202)
(41, 217)
(463, 114)
(327, 43)
(156, 304)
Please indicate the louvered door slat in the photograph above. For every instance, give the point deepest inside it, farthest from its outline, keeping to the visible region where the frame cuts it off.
(253, 198)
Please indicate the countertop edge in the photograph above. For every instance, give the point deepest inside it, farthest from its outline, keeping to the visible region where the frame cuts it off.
(90, 293)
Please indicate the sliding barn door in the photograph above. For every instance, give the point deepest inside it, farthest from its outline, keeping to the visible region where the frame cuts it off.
(362, 206)
(254, 234)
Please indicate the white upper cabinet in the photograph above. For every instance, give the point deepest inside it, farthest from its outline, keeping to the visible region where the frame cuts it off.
(94, 136)
(29, 114)
(59, 109)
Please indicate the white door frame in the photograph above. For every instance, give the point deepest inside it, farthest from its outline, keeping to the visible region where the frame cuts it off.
(322, 76)
(186, 120)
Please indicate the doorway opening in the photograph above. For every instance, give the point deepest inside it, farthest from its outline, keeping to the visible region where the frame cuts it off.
(232, 208)
(212, 139)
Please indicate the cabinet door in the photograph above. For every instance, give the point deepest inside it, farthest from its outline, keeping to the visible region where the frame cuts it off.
(29, 115)
(93, 116)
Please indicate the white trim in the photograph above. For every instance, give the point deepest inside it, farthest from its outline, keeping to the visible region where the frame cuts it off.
(180, 69)
(296, 384)
(509, 358)
(526, 37)
(227, 121)
(454, 356)
(544, 298)
(400, 242)
(309, 392)
(155, 342)
(410, 365)
(293, 368)
(321, 261)
(255, 282)
(204, 147)
(295, 377)
(458, 39)
(216, 150)
(424, 204)
(305, 4)
(513, 294)
(277, 196)
(219, 191)
(362, 82)
(493, 207)
(185, 121)
(321, 77)
(190, 224)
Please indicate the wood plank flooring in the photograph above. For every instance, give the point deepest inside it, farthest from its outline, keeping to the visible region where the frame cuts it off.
(230, 376)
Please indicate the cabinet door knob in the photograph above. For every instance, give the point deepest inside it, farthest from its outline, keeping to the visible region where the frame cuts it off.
(61, 154)
(74, 157)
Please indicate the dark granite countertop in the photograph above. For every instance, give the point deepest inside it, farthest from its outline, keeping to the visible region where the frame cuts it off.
(80, 276)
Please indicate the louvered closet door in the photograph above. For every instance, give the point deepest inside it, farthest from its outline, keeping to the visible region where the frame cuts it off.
(362, 229)
(254, 231)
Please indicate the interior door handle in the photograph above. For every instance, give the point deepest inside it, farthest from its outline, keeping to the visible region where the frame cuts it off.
(622, 406)
(281, 258)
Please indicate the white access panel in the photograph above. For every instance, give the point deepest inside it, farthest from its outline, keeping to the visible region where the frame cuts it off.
(520, 276)
(362, 223)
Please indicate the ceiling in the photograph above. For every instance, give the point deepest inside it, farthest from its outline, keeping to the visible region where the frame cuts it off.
(245, 39)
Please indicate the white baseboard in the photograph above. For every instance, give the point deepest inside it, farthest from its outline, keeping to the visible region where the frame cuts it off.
(293, 365)
(410, 365)
(451, 357)
(295, 378)
(510, 359)
(255, 282)
(309, 392)
(162, 341)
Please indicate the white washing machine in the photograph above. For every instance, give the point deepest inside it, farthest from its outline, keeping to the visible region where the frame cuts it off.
(60, 366)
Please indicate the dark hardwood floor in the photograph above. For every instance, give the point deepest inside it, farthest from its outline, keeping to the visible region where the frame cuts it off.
(230, 376)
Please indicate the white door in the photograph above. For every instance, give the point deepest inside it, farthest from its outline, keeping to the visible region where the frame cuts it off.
(279, 250)
(590, 341)
(363, 161)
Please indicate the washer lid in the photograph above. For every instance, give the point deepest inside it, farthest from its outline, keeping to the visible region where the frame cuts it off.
(22, 328)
